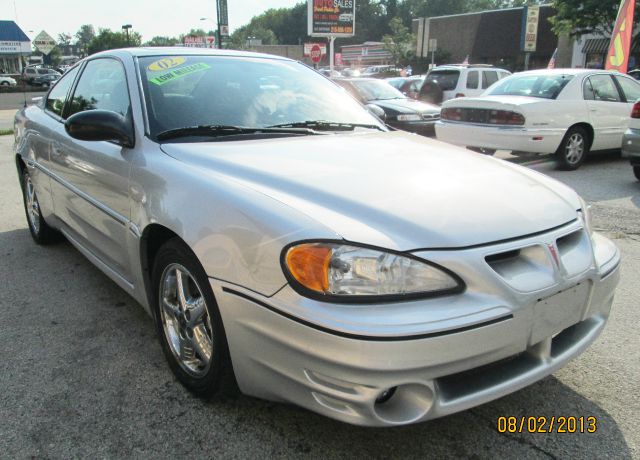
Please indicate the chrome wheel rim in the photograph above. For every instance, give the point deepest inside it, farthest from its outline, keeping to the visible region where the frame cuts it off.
(33, 207)
(574, 148)
(185, 320)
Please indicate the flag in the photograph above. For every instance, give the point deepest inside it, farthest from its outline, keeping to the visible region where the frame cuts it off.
(620, 44)
(466, 60)
(552, 61)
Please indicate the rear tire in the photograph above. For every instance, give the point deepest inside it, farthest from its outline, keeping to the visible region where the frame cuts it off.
(189, 324)
(482, 150)
(573, 149)
(41, 232)
(636, 172)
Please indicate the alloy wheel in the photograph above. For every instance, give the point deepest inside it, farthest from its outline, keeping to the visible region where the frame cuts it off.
(33, 207)
(185, 320)
(574, 148)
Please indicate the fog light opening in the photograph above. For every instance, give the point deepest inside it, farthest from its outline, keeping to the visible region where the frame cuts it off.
(386, 395)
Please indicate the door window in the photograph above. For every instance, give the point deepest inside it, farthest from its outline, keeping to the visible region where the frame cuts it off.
(489, 77)
(58, 94)
(630, 88)
(102, 85)
(472, 79)
(603, 89)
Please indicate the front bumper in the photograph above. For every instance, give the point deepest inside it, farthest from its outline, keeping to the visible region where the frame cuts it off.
(442, 355)
(631, 146)
(500, 138)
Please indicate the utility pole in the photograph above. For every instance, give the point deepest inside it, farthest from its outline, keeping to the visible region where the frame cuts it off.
(126, 28)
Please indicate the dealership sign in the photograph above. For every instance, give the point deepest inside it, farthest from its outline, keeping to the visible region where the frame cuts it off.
(195, 41)
(529, 37)
(11, 47)
(44, 43)
(335, 18)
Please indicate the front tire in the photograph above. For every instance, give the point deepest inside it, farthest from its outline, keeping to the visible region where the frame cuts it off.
(636, 172)
(573, 149)
(41, 232)
(189, 324)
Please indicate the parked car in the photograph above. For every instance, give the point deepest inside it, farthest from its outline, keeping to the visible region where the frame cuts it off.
(6, 80)
(287, 240)
(40, 76)
(465, 80)
(631, 140)
(635, 73)
(564, 111)
(400, 111)
(381, 71)
(409, 86)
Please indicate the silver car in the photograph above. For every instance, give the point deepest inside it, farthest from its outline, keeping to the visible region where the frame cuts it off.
(285, 241)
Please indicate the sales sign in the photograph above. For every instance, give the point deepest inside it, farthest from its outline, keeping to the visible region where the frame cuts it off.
(331, 18)
(44, 43)
(531, 17)
(194, 41)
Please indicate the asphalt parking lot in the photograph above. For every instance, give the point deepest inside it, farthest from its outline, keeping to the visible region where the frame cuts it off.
(82, 374)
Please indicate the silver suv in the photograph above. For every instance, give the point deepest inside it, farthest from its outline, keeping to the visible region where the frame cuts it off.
(465, 80)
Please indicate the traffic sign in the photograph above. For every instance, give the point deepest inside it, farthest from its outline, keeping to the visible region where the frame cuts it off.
(211, 41)
(316, 53)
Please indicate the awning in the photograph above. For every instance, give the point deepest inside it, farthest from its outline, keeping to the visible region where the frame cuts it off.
(596, 45)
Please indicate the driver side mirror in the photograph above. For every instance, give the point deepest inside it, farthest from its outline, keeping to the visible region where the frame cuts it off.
(101, 125)
(377, 111)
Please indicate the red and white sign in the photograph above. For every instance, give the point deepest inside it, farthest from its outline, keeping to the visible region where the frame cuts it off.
(316, 54)
(308, 46)
(337, 59)
(194, 41)
(211, 41)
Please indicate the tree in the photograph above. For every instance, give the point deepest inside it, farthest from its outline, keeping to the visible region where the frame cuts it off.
(577, 17)
(162, 41)
(64, 39)
(108, 40)
(400, 43)
(85, 34)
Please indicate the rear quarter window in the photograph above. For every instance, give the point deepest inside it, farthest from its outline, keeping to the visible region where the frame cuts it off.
(447, 79)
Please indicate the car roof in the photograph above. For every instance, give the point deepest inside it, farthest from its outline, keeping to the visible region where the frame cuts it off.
(468, 66)
(151, 51)
(566, 72)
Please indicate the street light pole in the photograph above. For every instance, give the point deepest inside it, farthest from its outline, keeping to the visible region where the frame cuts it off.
(126, 28)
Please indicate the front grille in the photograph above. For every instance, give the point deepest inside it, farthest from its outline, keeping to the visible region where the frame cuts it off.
(430, 116)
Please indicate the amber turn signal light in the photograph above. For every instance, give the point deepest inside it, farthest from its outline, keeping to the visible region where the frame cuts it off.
(309, 265)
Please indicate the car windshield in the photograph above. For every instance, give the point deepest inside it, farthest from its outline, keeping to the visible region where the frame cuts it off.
(542, 86)
(376, 90)
(199, 90)
(447, 79)
(396, 82)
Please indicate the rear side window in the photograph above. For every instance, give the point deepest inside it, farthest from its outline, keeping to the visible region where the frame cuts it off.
(102, 85)
(604, 89)
(489, 77)
(58, 94)
(630, 88)
(472, 79)
(447, 79)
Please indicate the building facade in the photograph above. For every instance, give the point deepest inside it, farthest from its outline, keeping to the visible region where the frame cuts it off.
(366, 54)
(487, 37)
(15, 46)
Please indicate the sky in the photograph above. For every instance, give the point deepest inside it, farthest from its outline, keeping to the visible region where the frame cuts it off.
(148, 17)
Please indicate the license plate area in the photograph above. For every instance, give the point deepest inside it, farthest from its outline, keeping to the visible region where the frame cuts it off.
(558, 312)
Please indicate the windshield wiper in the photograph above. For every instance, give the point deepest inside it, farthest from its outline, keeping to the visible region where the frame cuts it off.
(228, 130)
(323, 125)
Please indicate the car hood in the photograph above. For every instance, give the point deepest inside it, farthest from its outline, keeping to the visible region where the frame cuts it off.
(405, 106)
(394, 189)
(493, 102)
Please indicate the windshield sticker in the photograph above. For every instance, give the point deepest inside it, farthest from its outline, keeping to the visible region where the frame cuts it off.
(166, 64)
(179, 73)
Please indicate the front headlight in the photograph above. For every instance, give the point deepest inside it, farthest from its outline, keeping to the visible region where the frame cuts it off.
(342, 272)
(409, 117)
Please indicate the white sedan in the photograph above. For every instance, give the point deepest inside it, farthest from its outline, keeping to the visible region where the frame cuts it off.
(566, 111)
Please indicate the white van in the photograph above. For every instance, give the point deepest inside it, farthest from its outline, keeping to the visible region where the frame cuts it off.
(465, 80)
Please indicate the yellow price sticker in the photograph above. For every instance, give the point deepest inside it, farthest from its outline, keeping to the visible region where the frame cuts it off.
(166, 63)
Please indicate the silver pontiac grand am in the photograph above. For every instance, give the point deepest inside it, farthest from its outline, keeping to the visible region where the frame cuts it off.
(288, 242)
